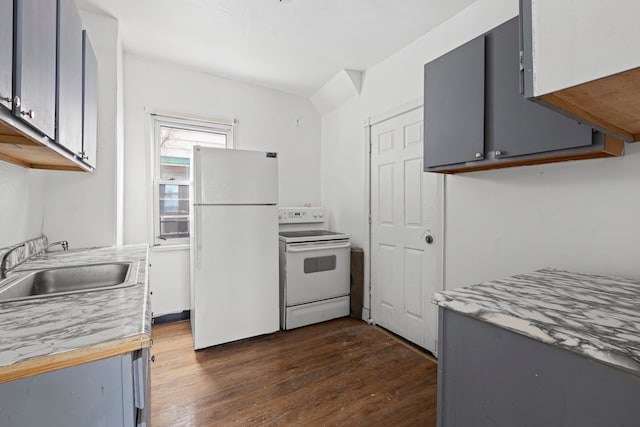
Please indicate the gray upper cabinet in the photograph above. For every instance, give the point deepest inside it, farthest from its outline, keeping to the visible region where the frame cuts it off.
(69, 94)
(6, 53)
(43, 87)
(477, 118)
(89, 102)
(454, 88)
(515, 126)
(36, 64)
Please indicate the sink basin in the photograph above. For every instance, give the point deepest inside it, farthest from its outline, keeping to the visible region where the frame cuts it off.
(68, 280)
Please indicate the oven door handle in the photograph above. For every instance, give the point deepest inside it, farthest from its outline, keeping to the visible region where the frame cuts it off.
(316, 247)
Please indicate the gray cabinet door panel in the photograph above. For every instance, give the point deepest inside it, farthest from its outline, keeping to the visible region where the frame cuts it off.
(454, 100)
(89, 102)
(36, 63)
(514, 125)
(6, 52)
(69, 95)
(93, 394)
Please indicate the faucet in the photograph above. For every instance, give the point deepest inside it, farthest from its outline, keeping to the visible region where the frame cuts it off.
(63, 243)
(3, 263)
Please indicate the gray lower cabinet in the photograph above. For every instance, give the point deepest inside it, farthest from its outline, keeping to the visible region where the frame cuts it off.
(110, 392)
(35, 66)
(69, 93)
(489, 376)
(89, 102)
(476, 116)
(6, 53)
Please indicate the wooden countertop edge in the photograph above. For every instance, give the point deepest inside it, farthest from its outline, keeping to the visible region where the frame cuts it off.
(43, 364)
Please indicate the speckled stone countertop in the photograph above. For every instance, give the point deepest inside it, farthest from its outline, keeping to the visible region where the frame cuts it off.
(82, 326)
(595, 316)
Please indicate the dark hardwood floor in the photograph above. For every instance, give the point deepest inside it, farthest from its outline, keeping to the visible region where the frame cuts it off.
(338, 373)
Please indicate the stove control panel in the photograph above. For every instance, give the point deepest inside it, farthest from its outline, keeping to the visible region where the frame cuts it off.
(300, 215)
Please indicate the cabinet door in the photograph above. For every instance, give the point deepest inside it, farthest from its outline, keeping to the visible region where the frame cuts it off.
(514, 125)
(36, 63)
(454, 106)
(69, 95)
(89, 102)
(6, 52)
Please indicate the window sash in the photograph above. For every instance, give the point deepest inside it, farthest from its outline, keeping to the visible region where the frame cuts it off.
(178, 224)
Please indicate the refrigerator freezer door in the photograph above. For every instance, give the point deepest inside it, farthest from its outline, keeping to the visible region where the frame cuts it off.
(235, 267)
(235, 177)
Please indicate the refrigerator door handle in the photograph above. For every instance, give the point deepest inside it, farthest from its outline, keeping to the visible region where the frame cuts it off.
(197, 229)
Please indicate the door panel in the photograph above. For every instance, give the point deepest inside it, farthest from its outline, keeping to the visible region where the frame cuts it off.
(513, 122)
(454, 106)
(89, 101)
(236, 176)
(6, 52)
(308, 280)
(405, 270)
(69, 97)
(36, 66)
(235, 293)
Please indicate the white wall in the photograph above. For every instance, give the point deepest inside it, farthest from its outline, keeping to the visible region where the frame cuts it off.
(581, 215)
(80, 207)
(269, 121)
(21, 204)
(391, 83)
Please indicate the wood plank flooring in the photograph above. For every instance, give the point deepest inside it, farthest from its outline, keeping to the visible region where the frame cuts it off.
(342, 372)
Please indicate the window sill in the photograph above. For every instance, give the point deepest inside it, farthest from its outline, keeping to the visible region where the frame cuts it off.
(171, 248)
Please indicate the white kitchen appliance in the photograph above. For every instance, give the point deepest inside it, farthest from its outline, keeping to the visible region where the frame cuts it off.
(234, 245)
(314, 270)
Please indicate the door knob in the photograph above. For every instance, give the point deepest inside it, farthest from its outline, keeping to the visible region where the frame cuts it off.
(429, 239)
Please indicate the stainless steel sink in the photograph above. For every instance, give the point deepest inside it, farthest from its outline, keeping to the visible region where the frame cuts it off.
(68, 280)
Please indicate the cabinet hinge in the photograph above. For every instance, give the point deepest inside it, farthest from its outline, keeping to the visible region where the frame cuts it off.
(522, 72)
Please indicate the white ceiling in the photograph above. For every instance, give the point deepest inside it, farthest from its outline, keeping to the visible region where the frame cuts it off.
(291, 45)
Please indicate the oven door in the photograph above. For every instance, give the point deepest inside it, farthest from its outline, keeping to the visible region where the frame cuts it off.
(316, 271)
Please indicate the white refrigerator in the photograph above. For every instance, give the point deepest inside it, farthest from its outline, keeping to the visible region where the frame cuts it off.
(234, 245)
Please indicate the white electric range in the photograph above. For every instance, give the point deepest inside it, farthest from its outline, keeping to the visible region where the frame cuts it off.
(314, 269)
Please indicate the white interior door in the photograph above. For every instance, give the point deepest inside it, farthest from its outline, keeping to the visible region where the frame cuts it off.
(406, 206)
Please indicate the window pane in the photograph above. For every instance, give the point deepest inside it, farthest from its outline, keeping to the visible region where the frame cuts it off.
(176, 146)
(320, 263)
(175, 154)
(174, 210)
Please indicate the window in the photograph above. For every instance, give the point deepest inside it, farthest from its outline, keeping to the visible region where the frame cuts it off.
(174, 140)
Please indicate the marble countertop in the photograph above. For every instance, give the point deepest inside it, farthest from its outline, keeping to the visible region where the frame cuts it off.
(595, 316)
(39, 328)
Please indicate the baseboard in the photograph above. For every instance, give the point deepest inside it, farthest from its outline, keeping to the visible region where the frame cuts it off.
(172, 318)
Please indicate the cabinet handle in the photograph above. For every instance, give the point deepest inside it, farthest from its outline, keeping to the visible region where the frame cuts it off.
(498, 153)
(478, 155)
(16, 101)
(83, 155)
(6, 99)
(31, 114)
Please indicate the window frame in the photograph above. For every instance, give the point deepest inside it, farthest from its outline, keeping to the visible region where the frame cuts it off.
(190, 124)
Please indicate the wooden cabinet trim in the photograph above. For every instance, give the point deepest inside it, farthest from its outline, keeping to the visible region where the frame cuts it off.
(40, 365)
(611, 103)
